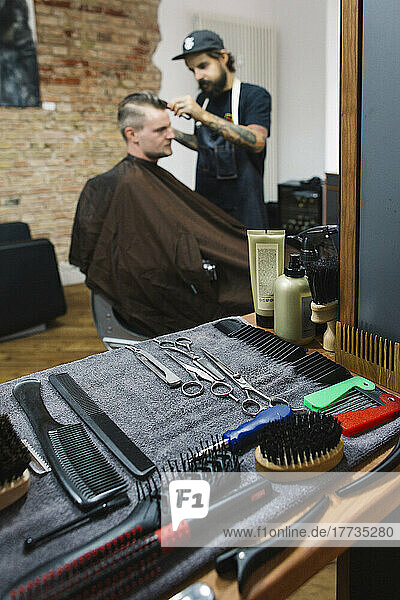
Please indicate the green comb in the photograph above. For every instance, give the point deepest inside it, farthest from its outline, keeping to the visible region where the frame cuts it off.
(318, 401)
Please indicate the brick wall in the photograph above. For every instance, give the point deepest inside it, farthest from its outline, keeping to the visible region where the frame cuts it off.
(91, 53)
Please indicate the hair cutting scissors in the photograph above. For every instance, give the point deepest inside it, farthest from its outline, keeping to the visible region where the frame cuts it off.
(183, 345)
(184, 115)
(250, 406)
(194, 387)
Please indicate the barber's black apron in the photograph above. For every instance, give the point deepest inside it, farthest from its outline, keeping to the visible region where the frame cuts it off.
(226, 176)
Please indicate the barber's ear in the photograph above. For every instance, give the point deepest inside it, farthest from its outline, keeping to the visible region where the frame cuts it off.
(130, 134)
(224, 56)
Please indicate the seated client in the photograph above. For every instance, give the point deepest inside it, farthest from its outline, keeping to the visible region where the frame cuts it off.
(141, 237)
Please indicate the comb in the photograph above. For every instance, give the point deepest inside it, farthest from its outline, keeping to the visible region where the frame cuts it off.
(385, 407)
(100, 423)
(369, 355)
(265, 341)
(319, 368)
(321, 400)
(82, 470)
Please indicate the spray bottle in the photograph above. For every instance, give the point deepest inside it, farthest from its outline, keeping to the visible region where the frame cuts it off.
(292, 300)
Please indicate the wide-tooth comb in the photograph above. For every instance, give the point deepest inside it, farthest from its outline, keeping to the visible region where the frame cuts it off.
(83, 471)
(359, 420)
(265, 341)
(323, 399)
(319, 368)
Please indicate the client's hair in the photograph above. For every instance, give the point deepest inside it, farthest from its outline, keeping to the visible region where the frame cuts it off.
(130, 113)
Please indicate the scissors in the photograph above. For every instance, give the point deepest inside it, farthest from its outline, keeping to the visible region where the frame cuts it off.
(184, 115)
(194, 388)
(183, 345)
(250, 406)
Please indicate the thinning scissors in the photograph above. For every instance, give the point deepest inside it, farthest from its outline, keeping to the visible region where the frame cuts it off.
(183, 345)
(250, 405)
(194, 387)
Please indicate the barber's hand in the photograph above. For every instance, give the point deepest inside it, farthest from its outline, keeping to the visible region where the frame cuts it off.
(186, 105)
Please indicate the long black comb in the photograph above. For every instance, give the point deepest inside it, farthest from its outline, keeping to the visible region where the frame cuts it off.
(265, 341)
(106, 430)
(319, 368)
(83, 471)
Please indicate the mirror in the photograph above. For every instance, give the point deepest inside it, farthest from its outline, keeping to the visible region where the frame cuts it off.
(305, 104)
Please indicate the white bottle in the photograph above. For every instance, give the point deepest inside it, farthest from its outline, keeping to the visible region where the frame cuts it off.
(292, 300)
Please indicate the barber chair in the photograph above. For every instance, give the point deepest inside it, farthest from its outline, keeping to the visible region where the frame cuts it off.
(31, 293)
(113, 333)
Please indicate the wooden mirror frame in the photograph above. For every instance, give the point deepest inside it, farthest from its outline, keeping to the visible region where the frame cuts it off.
(349, 150)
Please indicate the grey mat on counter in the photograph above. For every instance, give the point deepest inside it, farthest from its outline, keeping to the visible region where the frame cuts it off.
(163, 423)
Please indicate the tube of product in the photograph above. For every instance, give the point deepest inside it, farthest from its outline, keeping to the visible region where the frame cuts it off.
(267, 260)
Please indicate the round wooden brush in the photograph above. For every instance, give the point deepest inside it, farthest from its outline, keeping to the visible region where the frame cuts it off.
(301, 442)
(14, 461)
(323, 280)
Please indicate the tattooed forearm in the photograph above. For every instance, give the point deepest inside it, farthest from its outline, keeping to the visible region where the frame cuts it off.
(186, 139)
(251, 138)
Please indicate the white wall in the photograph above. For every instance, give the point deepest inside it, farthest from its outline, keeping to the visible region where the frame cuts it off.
(332, 115)
(302, 76)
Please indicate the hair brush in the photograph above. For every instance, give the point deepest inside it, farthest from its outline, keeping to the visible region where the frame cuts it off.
(14, 461)
(301, 442)
(122, 559)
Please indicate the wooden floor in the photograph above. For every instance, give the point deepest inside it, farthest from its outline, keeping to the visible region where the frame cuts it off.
(67, 338)
(74, 336)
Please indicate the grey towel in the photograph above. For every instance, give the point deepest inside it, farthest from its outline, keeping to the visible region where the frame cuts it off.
(163, 423)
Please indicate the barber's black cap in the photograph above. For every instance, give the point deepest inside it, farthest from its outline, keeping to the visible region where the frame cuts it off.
(199, 41)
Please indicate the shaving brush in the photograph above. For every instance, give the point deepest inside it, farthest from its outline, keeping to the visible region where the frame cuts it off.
(323, 279)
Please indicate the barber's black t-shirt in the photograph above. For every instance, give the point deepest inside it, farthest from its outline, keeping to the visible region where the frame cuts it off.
(254, 109)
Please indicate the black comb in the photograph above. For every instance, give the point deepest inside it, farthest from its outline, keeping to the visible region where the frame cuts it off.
(107, 431)
(319, 368)
(265, 341)
(80, 467)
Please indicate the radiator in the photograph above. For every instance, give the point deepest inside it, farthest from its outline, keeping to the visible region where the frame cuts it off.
(254, 47)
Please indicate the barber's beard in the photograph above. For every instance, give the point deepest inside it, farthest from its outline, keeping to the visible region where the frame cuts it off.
(213, 89)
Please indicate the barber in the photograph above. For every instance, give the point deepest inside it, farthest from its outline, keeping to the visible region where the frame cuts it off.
(232, 125)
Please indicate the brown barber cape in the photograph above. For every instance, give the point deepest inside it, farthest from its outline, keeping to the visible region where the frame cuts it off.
(139, 236)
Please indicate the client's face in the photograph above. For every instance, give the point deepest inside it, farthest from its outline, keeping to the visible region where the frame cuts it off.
(156, 135)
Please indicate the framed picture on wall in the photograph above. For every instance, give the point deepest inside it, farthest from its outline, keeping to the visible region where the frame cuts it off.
(19, 77)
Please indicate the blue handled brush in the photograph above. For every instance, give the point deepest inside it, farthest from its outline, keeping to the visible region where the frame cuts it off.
(246, 436)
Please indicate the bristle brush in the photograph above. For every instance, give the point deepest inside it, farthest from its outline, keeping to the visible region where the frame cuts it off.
(245, 436)
(14, 461)
(121, 560)
(302, 442)
(324, 286)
